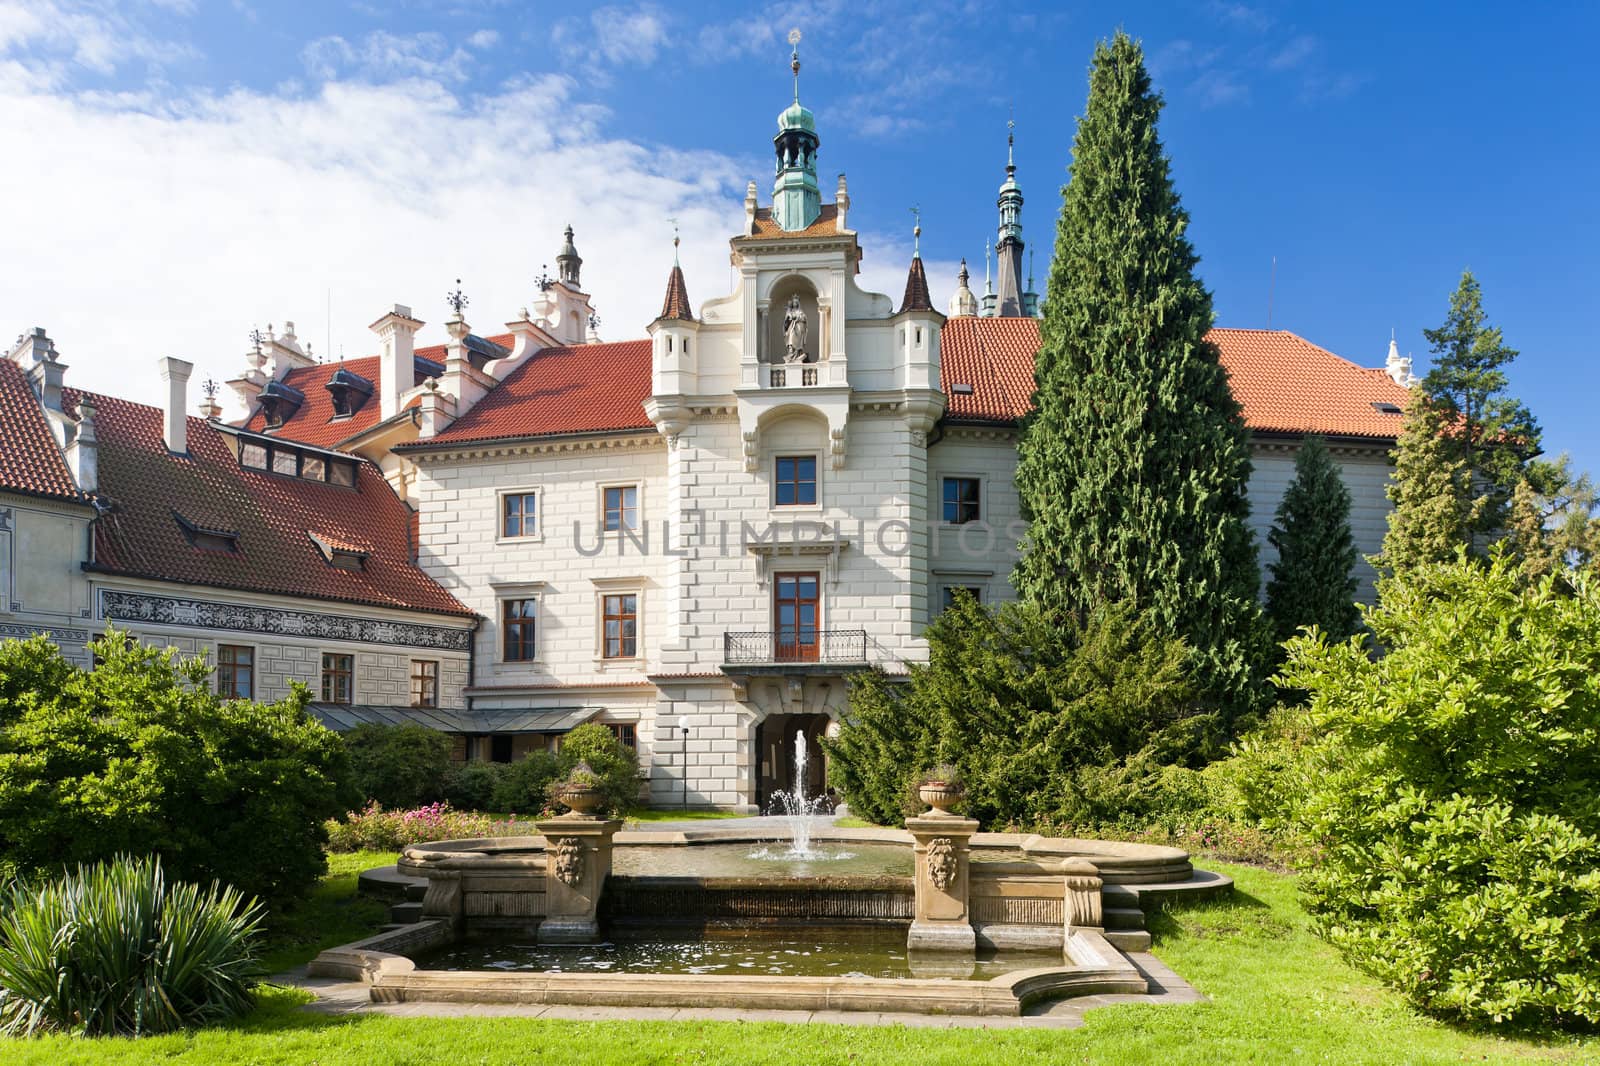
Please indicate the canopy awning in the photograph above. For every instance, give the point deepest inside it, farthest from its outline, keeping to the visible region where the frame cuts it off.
(341, 717)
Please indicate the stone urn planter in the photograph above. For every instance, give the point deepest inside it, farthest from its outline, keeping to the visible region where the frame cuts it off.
(940, 788)
(580, 799)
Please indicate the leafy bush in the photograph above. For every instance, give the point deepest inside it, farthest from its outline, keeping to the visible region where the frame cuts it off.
(1449, 793)
(398, 765)
(115, 948)
(615, 764)
(524, 783)
(1041, 719)
(471, 786)
(139, 756)
(376, 829)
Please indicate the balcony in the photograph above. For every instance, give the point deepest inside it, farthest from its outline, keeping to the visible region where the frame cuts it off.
(797, 375)
(791, 651)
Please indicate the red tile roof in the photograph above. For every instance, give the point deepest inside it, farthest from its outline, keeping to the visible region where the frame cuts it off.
(916, 297)
(825, 225)
(273, 516)
(676, 305)
(315, 423)
(582, 388)
(1285, 383)
(30, 461)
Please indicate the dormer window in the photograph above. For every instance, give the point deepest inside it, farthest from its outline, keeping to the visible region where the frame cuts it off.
(207, 539)
(339, 554)
(289, 459)
(279, 402)
(1385, 408)
(348, 392)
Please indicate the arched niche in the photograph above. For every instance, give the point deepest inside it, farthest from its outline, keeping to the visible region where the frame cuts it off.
(788, 288)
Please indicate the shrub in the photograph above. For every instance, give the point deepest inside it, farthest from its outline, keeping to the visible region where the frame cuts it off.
(615, 764)
(115, 948)
(522, 784)
(471, 786)
(1449, 793)
(398, 765)
(376, 829)
(1037, 716)
(139, 756)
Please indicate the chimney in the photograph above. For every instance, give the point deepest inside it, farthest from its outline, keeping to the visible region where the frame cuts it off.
(397, 367)
(82, 453)
(175, 421)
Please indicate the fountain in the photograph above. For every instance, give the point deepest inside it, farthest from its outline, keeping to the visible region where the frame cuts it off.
(936, 918)
(800, 813)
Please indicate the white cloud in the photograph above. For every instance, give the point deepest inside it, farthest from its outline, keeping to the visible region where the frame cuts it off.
(381, 55)
(150, 227)
(96, 35)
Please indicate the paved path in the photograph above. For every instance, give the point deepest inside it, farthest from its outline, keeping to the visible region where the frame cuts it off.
(350, 997)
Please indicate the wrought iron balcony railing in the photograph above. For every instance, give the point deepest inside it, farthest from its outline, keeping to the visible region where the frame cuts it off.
(783, 647)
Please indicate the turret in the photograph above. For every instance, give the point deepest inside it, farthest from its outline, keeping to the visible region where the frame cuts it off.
(1008, 246)
(796, 198)
(917, 324)
(963, 302)
(673, 337)
(568, 262)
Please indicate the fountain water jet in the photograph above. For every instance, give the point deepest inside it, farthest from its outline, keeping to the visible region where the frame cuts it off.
(800, 813)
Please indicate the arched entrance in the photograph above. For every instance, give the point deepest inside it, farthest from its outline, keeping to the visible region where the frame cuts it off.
(775, 756)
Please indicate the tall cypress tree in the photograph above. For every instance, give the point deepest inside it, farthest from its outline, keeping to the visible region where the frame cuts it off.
(1132, 468)
(1313, 582)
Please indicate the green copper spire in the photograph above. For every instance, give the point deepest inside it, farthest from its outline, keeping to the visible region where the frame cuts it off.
(796, 198)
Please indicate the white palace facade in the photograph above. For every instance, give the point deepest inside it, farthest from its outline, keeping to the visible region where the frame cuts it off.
(695, 537)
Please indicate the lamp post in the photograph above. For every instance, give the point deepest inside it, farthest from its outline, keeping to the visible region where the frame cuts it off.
(683, 728)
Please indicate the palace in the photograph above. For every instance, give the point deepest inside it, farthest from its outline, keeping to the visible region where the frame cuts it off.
(695, 537)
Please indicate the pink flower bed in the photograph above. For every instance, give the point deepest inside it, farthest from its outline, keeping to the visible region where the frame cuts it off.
(375, 829)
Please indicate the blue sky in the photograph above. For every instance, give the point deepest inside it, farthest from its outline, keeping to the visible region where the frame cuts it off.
(195, 169)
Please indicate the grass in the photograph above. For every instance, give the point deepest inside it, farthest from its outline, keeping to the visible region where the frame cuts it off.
(1277, 994)
(332, 915)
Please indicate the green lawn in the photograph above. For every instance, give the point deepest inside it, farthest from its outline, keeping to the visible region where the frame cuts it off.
(1278, 995)
(332, 915)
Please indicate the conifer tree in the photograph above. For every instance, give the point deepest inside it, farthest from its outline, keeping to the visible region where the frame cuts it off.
(1132, 468)
(1465, 445)
(1313, 582)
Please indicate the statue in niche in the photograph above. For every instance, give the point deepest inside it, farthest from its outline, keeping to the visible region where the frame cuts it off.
(794, 332)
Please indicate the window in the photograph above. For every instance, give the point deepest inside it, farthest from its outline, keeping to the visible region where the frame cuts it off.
(338, 678)
(519, 514)
(520, 623)
(313, 469)
(211, 540)
(621, 508)
(796, 481)
(960, 500)
(948, 595)
(795, 603)
(285, 462)
(254, 456)
(620, 626)
(342, 474)
(500, 747)
(236, 669)
(625, 733)
(424, 683)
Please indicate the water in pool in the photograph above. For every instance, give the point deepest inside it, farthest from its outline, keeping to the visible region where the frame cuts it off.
(857, 954)
(773, 861)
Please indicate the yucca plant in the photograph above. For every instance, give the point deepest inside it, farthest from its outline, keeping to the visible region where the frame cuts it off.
(113, 948)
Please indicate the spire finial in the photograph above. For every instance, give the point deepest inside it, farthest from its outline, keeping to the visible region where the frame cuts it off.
(1011, 141)
(794, 60)
(988, 283)
(457, 300)
(916, 233)
(209, 387)
(256, 337)
(674, 240)
(1030, 269)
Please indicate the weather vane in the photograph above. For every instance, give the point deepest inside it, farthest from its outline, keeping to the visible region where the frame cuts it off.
(674, 240)
(256, 338)
(209, 387)
(794, 60)
(916, 232)
(544, 281)
(594, 321)
(458, 299)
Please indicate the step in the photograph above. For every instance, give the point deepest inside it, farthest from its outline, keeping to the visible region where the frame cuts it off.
(407, 913)
(1128, 939)
(416, 890)
(1123, 917)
